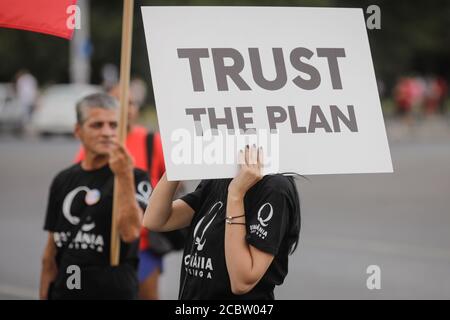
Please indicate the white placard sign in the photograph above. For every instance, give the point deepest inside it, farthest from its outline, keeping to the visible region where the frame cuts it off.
(297, 81)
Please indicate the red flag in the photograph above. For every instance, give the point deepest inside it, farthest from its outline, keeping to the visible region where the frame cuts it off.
(44, 16)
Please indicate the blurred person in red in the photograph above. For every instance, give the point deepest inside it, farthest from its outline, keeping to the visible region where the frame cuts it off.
(408, 95)
(146, 150)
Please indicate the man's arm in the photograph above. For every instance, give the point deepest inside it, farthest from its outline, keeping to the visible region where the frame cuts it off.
(49, 268)
(129, 214)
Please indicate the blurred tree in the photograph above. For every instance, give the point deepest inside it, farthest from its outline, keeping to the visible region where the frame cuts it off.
(414, 38)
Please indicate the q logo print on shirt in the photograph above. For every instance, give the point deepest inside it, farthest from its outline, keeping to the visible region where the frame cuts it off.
(263, 220)
(144, 190)
(209, 218)
(91, 198)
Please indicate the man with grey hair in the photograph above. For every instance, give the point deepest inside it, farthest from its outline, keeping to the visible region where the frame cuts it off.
(75, 263)
(145, 148)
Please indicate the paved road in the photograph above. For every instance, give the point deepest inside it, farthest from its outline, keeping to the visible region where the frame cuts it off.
(398, 221)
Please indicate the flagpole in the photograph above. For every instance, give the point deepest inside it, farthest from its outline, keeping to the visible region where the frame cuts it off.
(125, 66)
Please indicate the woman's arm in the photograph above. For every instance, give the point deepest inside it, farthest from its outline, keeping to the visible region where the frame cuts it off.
(245, 264)
(163, 214)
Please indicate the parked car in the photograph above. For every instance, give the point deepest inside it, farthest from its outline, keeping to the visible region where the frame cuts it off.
(55, 113)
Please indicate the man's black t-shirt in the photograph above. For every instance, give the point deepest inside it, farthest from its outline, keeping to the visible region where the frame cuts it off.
(270, 206)
(76, 193)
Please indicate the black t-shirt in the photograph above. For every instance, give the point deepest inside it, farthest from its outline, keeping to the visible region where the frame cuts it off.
(270, 207)
(75, 193)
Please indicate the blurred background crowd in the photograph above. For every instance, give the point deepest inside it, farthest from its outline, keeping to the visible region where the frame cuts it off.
(45, 75)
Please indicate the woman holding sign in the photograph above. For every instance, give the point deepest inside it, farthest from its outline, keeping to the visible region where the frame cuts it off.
(242, 231)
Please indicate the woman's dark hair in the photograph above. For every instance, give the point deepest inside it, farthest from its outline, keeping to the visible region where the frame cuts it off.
(220, 187)
(296, 223)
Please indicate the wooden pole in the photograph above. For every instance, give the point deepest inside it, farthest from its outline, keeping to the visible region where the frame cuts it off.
(125, 66)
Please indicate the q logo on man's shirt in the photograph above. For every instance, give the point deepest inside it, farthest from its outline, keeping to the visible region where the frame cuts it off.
(86, 238)
(143, 192)
(92, 197)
